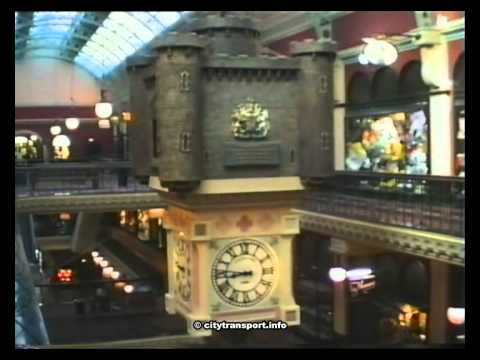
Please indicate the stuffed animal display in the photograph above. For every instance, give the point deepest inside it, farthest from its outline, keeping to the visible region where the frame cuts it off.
(395, 144)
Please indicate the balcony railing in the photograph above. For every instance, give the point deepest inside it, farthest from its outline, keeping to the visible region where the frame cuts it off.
(76, 179)
(428, 203)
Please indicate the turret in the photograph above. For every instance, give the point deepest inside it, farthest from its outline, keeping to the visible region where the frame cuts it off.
(315, 107)
(230, 35)
(140, 129)
(178, 112)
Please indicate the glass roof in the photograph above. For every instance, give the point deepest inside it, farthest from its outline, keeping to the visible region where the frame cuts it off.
(98, 42)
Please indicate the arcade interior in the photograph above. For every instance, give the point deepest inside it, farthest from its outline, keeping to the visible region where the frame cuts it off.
(239, 179)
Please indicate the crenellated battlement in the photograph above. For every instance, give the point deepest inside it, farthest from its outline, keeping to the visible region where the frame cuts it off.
(180, 40)
(312, 46)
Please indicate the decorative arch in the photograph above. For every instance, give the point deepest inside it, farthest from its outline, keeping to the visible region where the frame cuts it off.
(385, 84)
(411, 81)
(459, 73)
(359, 88)
(28, 133)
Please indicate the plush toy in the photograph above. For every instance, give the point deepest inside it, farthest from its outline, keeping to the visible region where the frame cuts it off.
(368, 139)
(397, 152)
(385, 131)
(417, 162)
(357, 157)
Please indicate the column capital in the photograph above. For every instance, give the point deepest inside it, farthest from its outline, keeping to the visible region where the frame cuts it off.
(429, 36)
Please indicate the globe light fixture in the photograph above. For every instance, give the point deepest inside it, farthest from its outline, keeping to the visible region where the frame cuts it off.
(103, 109)
(104, 124)
(362, 59)
(115, 275)
(456, 315)
(20, 140)
(72, 123)
(128, 289)
(337, 274)
(378, 52)
(61, 141)
(33, 138)
(55, 130)
(94, 253)
(107, 271)
(104, 263)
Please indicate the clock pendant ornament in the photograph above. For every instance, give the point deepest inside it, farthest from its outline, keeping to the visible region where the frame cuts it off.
(182, 270)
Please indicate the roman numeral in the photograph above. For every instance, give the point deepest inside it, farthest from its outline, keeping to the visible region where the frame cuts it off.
(268, 270)
(233, 295)
(244, 248)
(224, 287)
(231, 253)
(265, 283)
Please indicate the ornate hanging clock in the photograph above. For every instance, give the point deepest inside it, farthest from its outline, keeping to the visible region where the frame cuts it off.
(244, 272)
(182, 270)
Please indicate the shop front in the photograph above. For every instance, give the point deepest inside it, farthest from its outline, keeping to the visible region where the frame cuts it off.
(391, 308)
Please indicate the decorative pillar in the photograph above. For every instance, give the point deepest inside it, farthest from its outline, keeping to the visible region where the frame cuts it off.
(439, 302)
(435, 73)
(340, 301)
(339, 114)
(169, 296)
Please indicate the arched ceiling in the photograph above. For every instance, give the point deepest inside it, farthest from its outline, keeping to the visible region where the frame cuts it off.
(97, 41)
(101, 41)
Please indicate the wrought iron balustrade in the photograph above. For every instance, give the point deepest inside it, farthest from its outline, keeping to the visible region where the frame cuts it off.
(47, 179)
(428, 203)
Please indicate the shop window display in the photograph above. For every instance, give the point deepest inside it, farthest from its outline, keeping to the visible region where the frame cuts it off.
(460, 141)
(27, 149)
(396, 142)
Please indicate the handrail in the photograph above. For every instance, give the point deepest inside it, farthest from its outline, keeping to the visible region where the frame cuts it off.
(428, 203)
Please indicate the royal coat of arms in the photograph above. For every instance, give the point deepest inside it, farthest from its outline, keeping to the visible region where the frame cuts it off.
(250, 121)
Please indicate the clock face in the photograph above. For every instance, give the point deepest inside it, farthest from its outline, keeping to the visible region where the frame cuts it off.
(182, 270)
(243, 273)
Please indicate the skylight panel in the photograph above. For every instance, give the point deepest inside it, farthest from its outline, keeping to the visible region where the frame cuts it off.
(166, 18)
(121, 35)
(85, 62)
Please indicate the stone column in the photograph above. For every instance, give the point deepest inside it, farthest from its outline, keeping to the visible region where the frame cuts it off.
(340, 301)
(435, 73)
(439, 300)
(339, 114)
(170, 297)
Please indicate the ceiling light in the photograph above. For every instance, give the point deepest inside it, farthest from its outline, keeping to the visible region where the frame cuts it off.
(72, 123)
(337, 274)
(103, 109)
(55, 130)
(104, 124)
(61, 141)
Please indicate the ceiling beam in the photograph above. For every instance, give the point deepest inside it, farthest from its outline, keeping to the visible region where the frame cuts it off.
(82, 33)
(22, 27)
(297, 23)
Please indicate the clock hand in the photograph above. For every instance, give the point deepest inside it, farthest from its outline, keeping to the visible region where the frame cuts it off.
(233, 274)
(180, 267)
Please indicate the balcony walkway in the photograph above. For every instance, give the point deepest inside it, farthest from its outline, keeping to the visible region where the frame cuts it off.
(95, 186)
